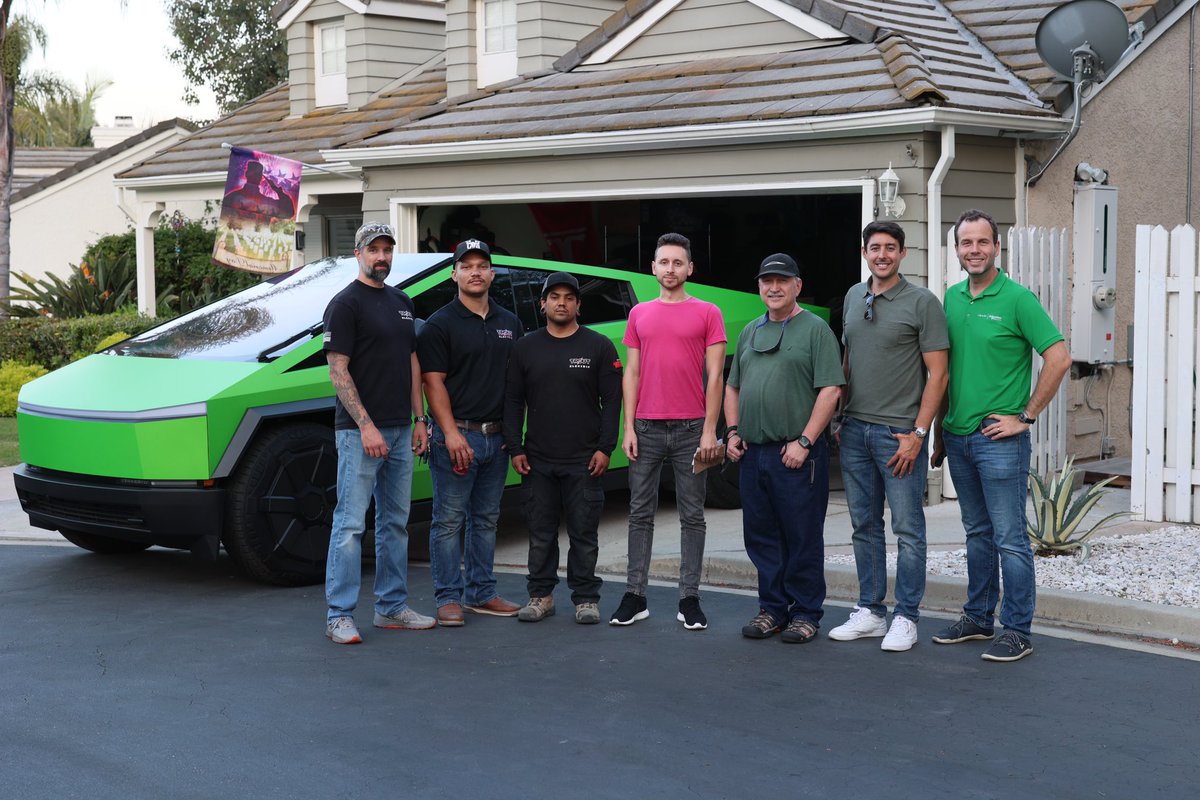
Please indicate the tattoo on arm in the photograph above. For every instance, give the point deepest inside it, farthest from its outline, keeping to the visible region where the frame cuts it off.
(343, 385)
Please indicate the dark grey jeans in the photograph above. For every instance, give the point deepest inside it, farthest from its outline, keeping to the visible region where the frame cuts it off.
(659, 440)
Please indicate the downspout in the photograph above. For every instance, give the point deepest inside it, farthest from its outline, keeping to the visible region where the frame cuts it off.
(936, 279)
(933, 195)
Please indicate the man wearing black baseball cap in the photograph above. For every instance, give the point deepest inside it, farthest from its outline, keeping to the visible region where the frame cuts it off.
(464, 349)
(564, 383)
(781, 393)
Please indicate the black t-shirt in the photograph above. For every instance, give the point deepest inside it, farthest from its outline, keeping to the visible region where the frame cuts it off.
(473, 353)
(571, 387)
(375, 327)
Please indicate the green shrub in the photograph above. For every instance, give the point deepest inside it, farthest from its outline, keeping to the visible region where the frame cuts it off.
(110, 340)
(55, 342)
(97, 288)
(14, 375)
(183, 267)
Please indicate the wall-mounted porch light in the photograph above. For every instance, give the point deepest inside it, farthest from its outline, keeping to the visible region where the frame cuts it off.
(889, 198)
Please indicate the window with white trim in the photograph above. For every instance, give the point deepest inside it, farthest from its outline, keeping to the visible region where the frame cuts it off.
(497, 41)
(330, 50)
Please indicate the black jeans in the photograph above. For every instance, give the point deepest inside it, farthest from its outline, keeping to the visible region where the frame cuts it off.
(552, 491)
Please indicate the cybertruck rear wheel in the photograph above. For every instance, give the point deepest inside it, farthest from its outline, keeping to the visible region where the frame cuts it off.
(280, 505)
(105, 545)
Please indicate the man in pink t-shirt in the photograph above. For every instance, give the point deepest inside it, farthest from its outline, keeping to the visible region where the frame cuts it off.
(672, 388)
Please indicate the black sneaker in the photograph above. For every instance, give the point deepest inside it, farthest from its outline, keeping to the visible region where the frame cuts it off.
(1009, 646)
(761, 627)
(632, 609)
(690, 614)
(962, 631)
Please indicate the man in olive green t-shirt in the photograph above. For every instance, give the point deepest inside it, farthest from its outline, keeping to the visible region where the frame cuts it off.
(781, 393)
(995, 325)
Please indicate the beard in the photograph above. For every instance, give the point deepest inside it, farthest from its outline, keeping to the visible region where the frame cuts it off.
(378, 271)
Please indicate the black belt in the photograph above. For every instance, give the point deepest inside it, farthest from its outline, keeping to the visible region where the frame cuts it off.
(486, 428)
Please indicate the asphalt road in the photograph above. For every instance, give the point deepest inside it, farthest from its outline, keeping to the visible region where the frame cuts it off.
(159, 677)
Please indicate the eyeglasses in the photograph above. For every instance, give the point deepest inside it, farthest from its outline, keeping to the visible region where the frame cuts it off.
(869, 314)
(754, 335)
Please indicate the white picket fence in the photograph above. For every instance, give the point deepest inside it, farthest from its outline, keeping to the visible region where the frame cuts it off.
(1040, 260)
(1166, 440)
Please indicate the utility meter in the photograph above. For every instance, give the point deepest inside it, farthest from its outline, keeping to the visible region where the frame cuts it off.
(1094, 297)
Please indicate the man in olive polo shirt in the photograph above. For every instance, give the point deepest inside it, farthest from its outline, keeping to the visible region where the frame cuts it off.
(781, 393)
(995, 326)
(463, 349)
(894, 333)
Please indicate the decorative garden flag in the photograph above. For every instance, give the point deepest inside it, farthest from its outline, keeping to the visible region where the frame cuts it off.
(257, 228)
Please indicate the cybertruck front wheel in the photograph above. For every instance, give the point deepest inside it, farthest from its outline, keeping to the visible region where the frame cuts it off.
(280, 505)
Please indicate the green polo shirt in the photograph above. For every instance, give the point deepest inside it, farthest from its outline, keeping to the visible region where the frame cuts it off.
(777, 390)
(886, 354)
(992, 339)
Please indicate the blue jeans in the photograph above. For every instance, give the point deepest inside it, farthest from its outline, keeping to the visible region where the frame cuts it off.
(783, 522)
(673, 440)
(992, 479)
(865, 450)
(468, 504)
(389, 480)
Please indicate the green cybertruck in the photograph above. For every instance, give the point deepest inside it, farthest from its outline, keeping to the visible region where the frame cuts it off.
(215, 428)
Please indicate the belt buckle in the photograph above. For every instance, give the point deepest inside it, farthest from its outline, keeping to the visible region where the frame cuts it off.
(488, 428)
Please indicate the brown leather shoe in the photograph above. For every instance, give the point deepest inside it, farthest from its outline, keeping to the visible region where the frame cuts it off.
(450, 615)
(497, 607)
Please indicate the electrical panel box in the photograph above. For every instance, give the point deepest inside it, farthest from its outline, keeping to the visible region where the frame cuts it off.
(1094, 278)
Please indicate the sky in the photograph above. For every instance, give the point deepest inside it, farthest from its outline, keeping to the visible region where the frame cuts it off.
(97, 39)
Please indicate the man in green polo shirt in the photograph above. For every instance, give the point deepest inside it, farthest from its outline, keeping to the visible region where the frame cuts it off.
(894, 335)
(995, 325)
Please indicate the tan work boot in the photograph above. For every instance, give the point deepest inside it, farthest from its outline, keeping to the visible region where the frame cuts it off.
(537, 609)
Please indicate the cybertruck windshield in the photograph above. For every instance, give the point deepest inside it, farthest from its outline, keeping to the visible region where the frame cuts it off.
(267, 320)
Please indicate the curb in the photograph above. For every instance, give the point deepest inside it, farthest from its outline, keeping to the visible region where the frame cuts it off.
(1091, 612)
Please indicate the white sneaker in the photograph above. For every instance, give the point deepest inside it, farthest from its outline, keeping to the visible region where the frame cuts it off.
(342, 630)
(901, 636)
(861, 625)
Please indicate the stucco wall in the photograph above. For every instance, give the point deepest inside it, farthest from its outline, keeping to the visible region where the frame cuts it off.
(1137, 128)
(51, 229)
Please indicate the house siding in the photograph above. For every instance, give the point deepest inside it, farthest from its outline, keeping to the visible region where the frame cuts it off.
(302, 70)
(711, 29)
(1137, 129)
(381, 49)
(546, 29)
(460, 47)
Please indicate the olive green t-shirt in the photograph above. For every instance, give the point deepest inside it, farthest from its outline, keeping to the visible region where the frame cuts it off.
(887, 367)
(777, 390)
(992, 339)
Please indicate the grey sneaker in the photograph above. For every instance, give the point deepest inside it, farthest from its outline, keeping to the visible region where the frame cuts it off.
(407, 619)
(587, 613)
(1009, 646)
(962, 631)
(342, 630)
(537, 609)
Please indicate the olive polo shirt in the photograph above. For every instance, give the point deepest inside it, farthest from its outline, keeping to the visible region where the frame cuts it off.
(777, 390)
(473, 352)
(886, 366)
(992, 337)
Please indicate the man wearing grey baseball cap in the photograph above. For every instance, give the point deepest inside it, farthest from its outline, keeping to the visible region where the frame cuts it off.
(370, 343)
(782, 391)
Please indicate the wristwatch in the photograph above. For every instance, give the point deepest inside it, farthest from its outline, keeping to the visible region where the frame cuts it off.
(920, 432)
(1025, 418)
(804, 442)
(421, 418)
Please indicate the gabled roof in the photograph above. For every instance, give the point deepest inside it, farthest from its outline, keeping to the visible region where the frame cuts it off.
(91, 156)
(909, 54)
(263, 124)
(32, 164)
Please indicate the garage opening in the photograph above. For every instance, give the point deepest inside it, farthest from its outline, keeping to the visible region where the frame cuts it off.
(730, 235)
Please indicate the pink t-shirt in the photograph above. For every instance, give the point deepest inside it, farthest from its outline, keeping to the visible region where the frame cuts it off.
(671, 339)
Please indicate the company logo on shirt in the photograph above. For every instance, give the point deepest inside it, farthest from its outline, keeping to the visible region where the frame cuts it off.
(504, 333)
(328, 337)
(617, 364)
(579, 363)
(405, 314)
(992, 317)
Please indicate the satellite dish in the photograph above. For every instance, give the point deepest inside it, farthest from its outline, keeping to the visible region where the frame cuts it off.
(1083, 39)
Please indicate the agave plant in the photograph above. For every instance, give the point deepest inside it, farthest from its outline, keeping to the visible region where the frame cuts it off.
(1056, 521)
